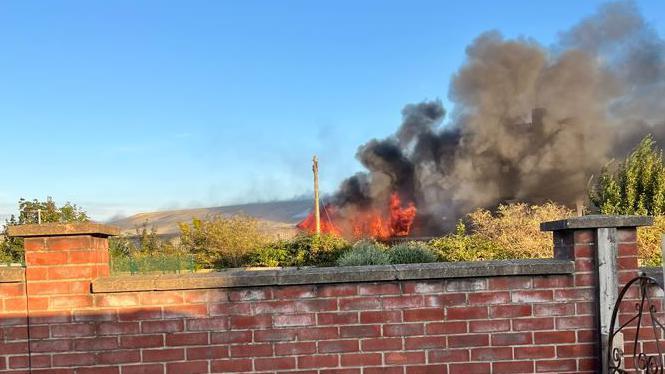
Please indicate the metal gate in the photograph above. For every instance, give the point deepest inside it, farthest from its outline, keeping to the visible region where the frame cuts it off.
(636, 315)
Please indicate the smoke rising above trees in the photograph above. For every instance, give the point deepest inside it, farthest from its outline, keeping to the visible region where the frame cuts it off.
(528, 122)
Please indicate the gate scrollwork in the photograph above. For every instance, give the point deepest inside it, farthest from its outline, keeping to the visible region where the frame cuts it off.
(649, 361)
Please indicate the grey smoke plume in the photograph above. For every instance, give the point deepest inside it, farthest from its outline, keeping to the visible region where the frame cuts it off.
(529, 123)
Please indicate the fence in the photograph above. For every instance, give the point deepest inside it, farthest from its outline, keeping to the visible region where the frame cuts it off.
(63, 313)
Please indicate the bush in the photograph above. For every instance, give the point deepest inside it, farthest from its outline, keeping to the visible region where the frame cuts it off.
(515, 228)
(648, 242)
(462, 247)
(365, 252)
(302, 250)
(411, 253)
(222, 241)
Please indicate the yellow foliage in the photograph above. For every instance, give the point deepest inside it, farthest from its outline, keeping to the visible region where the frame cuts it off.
(515, 228)
(648, 242)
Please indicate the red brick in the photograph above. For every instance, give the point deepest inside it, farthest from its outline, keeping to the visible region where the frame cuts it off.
(161, 326)
(509, 311)
(470, 368)
(119, 357)
(161, 355)
(424, 342)
(509, 283)
(513, 367)
(190, 367)
(251, 350)
(338, 290)
(379, 289)
(295, 292)
(360, 331)
(231, 366)
(317, 361)
(404, 329)
(484, 298)
(73, 359)
(445, 300)
(360, 303)
(294, 320)
(425, 314)
(207, 352)
(443, 328)
(381, 316)
(337, 318)
(360, 359)
(449, 355)
(469, 340)
(143, 369)
(512, 339)
(532, 324)
(318, 333)
(554, 337)
(381, 344)
(141, 341)
(577, 350)
(275, 335)
(188, 338)
(402, 358)
(299, 348)
(403, 302)
(534, 352)
(556, 366)
(250, 322)
(492, 354)
(553, 281)
(554, 309)
(532, 296)
(489, 326)
(277, 363)
(336, 346)
(466, 313)
(427, 369)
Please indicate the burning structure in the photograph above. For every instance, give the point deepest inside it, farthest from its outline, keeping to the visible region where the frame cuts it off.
(528, 123)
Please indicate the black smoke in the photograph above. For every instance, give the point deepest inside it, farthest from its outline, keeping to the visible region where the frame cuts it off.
(528, 123)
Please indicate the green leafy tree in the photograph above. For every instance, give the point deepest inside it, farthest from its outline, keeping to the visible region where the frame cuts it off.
(31, 211)
(222, 241)
(634, 186)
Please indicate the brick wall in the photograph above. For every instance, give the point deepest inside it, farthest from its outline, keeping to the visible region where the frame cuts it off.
(524, 321)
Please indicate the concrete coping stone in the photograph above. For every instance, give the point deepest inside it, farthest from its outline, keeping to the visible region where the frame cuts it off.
(595, 221)
(11, 274)
(62, 229)
(253, 277)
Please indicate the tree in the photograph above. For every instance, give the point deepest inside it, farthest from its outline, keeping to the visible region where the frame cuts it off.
(635, 186)
(222, 241)
(30, 211)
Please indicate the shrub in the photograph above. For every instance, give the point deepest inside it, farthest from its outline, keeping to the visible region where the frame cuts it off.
(514, 230)
(365, 252)
(302, 250)
(648, 242)
(462, 247)
(222, 241)
(411, 253)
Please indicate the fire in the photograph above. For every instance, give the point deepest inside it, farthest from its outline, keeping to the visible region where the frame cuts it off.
(394, 221)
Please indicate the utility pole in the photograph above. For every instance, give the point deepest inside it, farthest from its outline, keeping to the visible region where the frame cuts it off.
(317, 211)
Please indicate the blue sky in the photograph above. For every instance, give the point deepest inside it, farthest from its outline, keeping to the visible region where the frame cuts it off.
(128, 106)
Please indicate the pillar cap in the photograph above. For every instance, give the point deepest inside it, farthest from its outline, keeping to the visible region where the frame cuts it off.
(595, 221)
(62, 229)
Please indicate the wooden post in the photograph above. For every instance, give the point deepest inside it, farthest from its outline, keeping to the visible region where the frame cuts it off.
(317, 211)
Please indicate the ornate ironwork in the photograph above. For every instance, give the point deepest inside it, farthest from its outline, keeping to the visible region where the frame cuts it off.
(643, 362)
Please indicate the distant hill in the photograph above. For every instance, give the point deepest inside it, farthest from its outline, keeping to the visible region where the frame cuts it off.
(278, 218)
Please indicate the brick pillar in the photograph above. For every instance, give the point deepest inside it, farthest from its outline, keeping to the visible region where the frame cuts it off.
(604, 249)
(61, 261)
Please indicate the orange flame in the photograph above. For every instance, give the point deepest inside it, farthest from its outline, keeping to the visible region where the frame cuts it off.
(369, 223)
